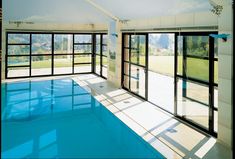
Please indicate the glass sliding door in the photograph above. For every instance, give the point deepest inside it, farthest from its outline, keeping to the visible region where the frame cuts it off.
(195, 80)
(97, 54)
(101, 55)
(63, 54)
(41, 61)
(135, 63)
(161, 48)
(104, 56)
(83, 44)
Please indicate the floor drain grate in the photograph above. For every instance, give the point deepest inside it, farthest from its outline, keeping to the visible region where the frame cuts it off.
(172, 130)
(101, 86)
(126, 102)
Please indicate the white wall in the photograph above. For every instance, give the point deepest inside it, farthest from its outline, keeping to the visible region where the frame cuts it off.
(182, 20)
(225, 77)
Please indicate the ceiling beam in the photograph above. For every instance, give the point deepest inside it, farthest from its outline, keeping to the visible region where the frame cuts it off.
(103, 10)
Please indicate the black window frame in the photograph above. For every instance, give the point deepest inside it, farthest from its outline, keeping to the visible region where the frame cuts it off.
(211, 84)
(53, 55)
(101, 54)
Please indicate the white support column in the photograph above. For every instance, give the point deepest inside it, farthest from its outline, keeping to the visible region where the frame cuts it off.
(225, 130)
(115, 53)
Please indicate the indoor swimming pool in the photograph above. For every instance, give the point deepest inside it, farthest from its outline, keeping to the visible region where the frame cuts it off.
(60, 119)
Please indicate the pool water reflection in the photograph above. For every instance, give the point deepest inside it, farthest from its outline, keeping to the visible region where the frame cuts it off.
(59, 119)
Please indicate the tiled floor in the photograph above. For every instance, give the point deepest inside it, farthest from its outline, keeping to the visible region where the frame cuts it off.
(169, 136)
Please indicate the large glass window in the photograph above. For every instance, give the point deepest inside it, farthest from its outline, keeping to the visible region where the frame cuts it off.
(138, 48)
(18, 49)
(41, 44)
(63, 44)
(41, 65)
(63, 64)
(184, 81)
(41, 60)
(192, 102)
(161, 70)
(18, 61)
(101, 62)
(18, 55)
(197, 78)
(41, 54)
(134, 70)
(104, 54)
(18, 38)
(83, 48)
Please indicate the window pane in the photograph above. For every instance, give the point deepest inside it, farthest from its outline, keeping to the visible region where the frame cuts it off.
(63, 43)
(180, 55)
(82, 48)
(82, 59)
(18, 61)
(216, 48)
(105, 39)
(138, 80)
(97, 47)
(97, 64)
(104, 50)
(198, 68)
(197, 92)
(104, 71)
(18, 38)
(83, 38)
(216, 121)
(190, 102)
(97, 39)
(18, 50)
(161, 53)
(41, 65)
(180, 65)
(18, 72)
(104, 61)
(63, 64)
(215, 97)
(41, 43)
(138, 49)
(161, 70)
(216, 72)
(197, 45)
(82, 68)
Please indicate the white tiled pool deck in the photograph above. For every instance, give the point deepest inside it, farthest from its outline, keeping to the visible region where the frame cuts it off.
(171, 137)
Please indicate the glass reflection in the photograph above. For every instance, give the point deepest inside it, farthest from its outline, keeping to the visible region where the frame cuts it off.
(25, 101)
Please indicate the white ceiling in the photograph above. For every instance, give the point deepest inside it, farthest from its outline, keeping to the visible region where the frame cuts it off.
(52, 11)
(137, 9)
(80, 11)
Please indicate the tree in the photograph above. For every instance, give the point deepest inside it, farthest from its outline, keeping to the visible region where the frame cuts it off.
(164, 41)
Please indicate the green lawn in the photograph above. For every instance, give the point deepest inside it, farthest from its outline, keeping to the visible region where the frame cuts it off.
(197, 68)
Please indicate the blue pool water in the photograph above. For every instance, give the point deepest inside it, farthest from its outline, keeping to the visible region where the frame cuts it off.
(59, 119)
